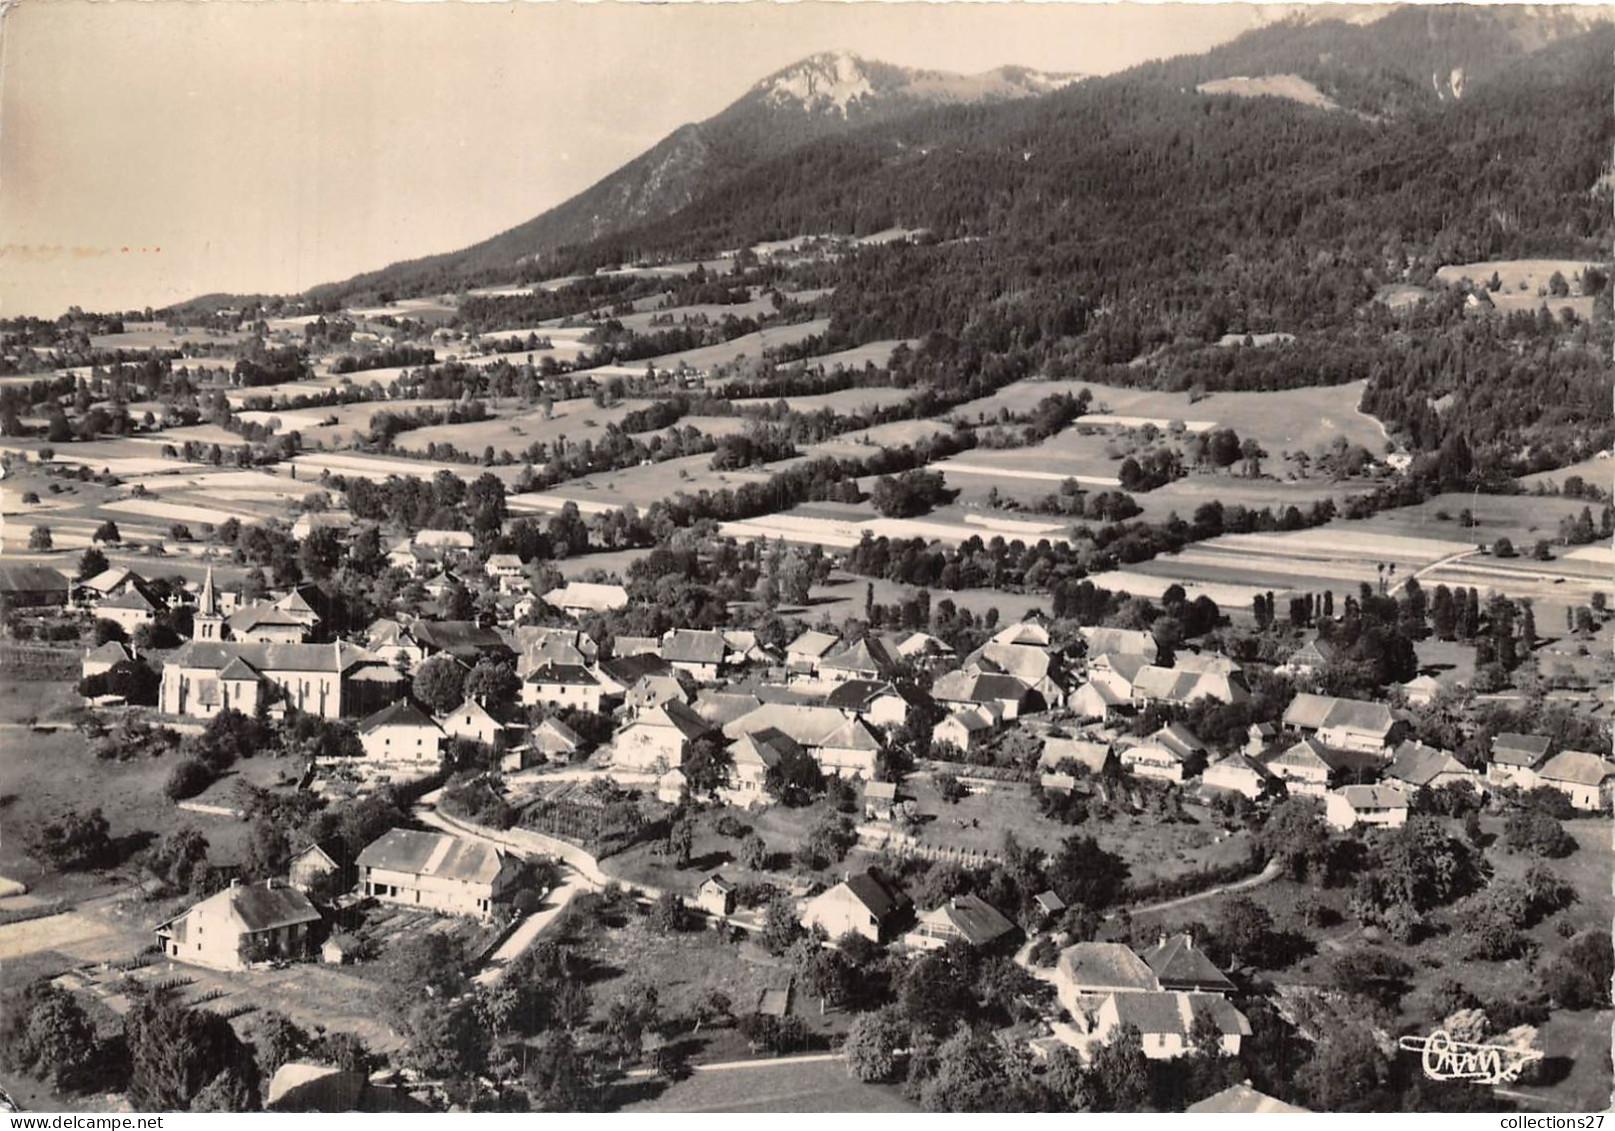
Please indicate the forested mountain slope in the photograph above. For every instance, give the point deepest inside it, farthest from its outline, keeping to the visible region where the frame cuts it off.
(820, 96)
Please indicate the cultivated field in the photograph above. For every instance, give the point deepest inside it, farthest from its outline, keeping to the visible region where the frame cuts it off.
(640, 485)
(842, 596)
(845, 401)
(577, 420)
(745, 346)
(842, 525)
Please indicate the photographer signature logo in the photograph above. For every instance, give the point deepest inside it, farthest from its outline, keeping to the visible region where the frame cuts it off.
(1447, 1059)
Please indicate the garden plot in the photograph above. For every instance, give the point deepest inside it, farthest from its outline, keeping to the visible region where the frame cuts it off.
(176, 512)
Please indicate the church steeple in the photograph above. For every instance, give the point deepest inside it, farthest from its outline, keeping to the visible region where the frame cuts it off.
(207, 624)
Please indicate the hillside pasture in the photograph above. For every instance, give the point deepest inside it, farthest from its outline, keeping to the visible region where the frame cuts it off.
(1523, 519)
(642, 485)
(1599, 470)
(746, 346)
(842, 526)
(1525, 283)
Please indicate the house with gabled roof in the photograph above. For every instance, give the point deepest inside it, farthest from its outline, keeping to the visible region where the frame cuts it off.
(1166, 1020)
(473, 722)
(1383, 806)
(659, 737)
(1008, 695)
(720, 708)
(1180, 965)
(752, 757)
(314, 863)
(965, 918)
(580, 598)
(1515, 758)
(865, 658)
(537, 644)
(1033, 664)
(716, 896)
(860, 904)
(803, 655)
(1586, 779)
(1088, 972)
(1092, 754)
(1098, 701)
(395, 643)
(562, 685)
(553, 739)
(401, 732)
(966, 726)
(1311, 657)
(700, 652)
(1242, 1099)
(242, 924)
(1344, 724)
(1417, 766)
(1238, 773)
(1308, 767)
(876, 701)
(129, 609)
(1172, 753)
(839, 744)
(1119, 641)
(437, 872)
(656, 688)
(919, 648)
(101, 659)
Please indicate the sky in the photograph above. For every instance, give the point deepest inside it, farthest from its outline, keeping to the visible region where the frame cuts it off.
(155, 151)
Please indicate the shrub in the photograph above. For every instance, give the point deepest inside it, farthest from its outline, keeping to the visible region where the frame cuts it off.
(1537, 832)
(187, 779)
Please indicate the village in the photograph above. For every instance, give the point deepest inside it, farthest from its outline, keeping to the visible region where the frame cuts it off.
(841, 784)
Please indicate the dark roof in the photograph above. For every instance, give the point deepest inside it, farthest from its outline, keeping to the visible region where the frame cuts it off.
(458, 637)
(865, 655)
(1181, 966)
(978, 921)
(628, 670)
(1166, 1012)
(856, 694)
(263, 908)
(873, 894)
(31, 579)
(563, 673)
(1520, 749)
(399, 713)
(677, 714)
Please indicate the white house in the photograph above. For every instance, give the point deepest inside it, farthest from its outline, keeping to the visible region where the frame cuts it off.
(860, 904)
(578, 598)
(659, 737)
(1237, 773)
(966, 727)
(1515, 758)
(401, 732)
(1586, 779)
(1166, 1020)
(1383, 806)
(562, 685)
(242, 924)
(471, 720)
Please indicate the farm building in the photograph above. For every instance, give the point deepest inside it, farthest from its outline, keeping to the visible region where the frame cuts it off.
(317, 861)
(865, 658)
(100, 660)
(875, 700)
(474, 723)
(804, 654)
(752, 756)
(242, 924)
(445, 539)
(436, 871)
(716, 896)
(130, 609)
(1120, 642)
(1344, 724)
(838, 744)
(1091, 754)
(966, 727)
(1166, 1019)
(1309, 767)
(1007, 696)
(579, 598)
(466, 641)
(31, 586)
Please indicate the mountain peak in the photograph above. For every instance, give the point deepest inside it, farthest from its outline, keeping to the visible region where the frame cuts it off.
(827, 82)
